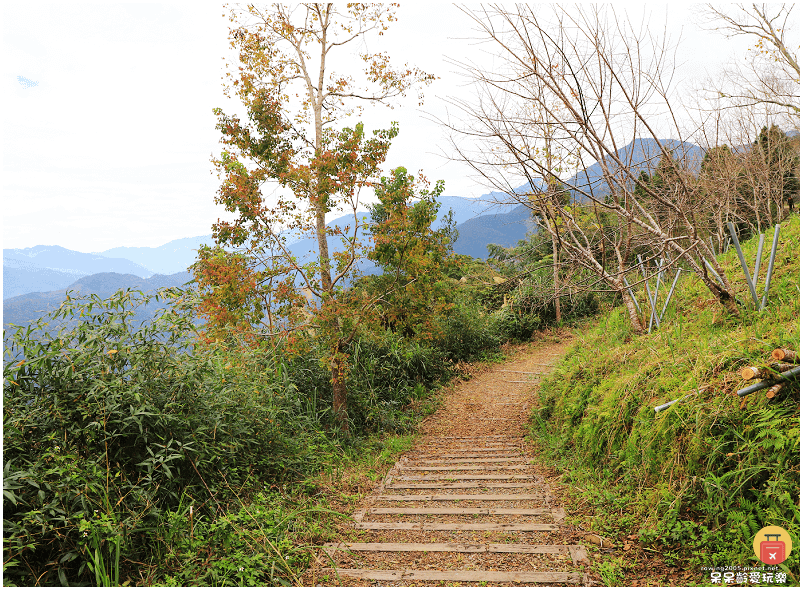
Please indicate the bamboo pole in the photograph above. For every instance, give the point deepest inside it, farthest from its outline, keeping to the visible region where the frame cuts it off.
(655, 299)
(713, 272)
(668, 404)
(630, 292)
(675, 401)
(649, 295)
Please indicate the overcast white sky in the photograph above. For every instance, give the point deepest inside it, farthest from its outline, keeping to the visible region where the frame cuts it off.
(112, 147)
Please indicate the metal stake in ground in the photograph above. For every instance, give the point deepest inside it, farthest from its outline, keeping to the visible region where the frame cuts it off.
(771, 265)
(669, 295)
(649, 295)
(734, 237)
(758, 259)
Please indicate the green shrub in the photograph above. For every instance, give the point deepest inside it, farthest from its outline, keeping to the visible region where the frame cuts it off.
(468, 331)
(106, 423)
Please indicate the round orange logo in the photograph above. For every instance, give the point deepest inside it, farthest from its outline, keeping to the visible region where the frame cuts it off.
(772, 545)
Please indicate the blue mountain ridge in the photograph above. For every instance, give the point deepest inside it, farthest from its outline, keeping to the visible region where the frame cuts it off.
(23, 309)
(44, 268)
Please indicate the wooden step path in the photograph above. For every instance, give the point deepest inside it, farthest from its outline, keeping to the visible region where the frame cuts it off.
(466, 506)
(527, 510)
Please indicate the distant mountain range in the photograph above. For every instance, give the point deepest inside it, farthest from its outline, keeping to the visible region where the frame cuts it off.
(23, 309)
(172, 257)
(45, 270)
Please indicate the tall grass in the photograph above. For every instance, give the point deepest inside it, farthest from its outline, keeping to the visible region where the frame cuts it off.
(706, 474)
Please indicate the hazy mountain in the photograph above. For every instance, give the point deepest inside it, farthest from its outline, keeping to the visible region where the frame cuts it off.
(69, 261)
(503, 229)
(23, 309)
(20, 277)
(172, 257)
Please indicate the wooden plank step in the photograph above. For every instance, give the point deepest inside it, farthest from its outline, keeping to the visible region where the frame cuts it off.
(465, 467)
(454, 485)
(525, 511)
(455, 547)
(448, 497)
(473, 461)
(454, 526)
(449, 476)
(438, 453)
(467, 455)
(489, 436)
(463, 576)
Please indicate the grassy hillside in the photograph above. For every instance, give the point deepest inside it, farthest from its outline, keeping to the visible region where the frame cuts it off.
(697, 481)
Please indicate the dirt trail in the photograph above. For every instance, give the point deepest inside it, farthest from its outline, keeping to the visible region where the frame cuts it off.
(468, 504)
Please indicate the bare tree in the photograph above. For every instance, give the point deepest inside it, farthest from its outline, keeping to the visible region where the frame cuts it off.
(772, 74)
(605, 89)
(750, 168)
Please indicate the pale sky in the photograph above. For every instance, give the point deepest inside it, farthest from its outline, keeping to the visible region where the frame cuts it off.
(112, 146)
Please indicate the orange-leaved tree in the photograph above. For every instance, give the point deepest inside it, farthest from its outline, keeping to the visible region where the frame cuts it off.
(290, 145)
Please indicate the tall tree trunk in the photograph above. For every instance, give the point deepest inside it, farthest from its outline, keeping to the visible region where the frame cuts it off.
(337, 365)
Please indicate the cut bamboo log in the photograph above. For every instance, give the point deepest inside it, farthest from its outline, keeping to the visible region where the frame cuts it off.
(790, 374)
(430, 462)
(765, 372)
(773, 391)
(471, 476)
(474, 450)
(460, 547)
(468, 455)
(784, 354)
(753, 372)
(492, 436)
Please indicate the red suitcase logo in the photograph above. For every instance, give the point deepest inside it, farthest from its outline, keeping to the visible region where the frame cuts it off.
(773, 552)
